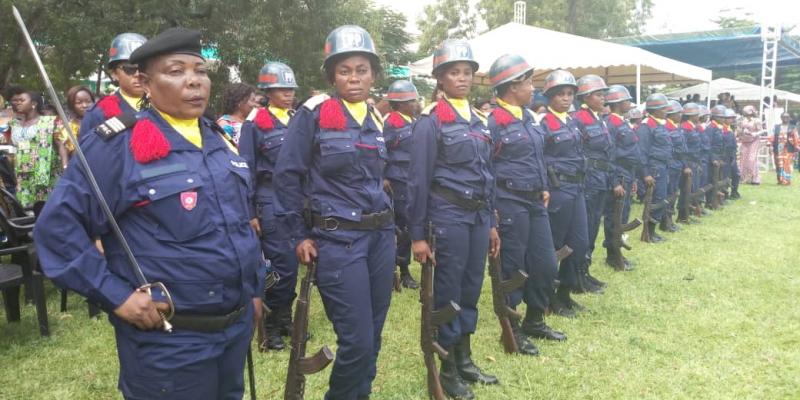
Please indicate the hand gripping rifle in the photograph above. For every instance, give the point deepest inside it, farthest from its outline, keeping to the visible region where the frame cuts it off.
(144, 285)
(431, 320)
(617, 230)
(299, 364)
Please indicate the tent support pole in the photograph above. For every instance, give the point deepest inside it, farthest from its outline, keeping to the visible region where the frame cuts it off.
(638, 83)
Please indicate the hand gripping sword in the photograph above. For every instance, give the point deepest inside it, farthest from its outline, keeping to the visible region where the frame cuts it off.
(144, 285)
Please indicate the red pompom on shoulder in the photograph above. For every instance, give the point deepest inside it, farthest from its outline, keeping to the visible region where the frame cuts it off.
(615, 120)
(553, 123)
(585, 117)
(687, 126)
(110, 106)
(652, 123)
(670, 125)
(395, 120)
(701, 129)
(502, 117)
(445, 112)
(148, 143)
(263, 120)
(331, 115)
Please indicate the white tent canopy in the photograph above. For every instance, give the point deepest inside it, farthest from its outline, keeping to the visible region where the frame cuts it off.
(547, 50)
(740, 90)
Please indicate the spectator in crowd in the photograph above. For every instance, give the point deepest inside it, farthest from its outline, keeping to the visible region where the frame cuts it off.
(79, 99)
(784, 148)
(238, 100)
(485, 105)
(748, 133)
(33, 134)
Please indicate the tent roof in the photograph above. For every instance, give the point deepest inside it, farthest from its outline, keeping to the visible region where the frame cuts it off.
(547, 50)
(720, 50)
(741, 90)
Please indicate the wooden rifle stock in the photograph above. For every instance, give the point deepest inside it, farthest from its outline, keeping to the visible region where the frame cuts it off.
(500, 291)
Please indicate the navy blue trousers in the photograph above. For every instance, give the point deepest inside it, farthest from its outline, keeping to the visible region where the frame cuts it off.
(460, 267)
(567, 211)
(608, 213)
(660, 174)
(400, 198)
(527, 245)
(355, 272)
(183, 365)
(280, 253)
(596, 195)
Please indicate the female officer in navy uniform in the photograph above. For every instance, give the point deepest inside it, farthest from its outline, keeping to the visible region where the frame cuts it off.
(403, 98)
(677, 137)
(452, 187)
(522, 198)
(333, 160)
(601, 174)
(260, 141)
(124, 74)
(563, 155)
(180, 194)
(656, 150)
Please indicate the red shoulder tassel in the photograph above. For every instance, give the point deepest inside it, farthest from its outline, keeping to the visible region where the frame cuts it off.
(110, 106)
(615, 120)
(445, 112)
(148, 143)
(263, 120)
(652, 123)
(552, 122)
(395, 120)
(584, 117)
(502, 117)
(331, 115)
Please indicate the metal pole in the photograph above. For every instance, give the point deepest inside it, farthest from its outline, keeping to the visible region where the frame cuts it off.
(638, 83)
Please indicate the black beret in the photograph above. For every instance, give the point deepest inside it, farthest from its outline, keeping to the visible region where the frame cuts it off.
(171, 41)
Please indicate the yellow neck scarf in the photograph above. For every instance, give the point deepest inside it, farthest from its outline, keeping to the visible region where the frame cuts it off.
(659, 120)
(281, 114)
(585, 107)
(516, 111)
(132, 101)
(462, 108)
(188, 128)
(357, 110)
(408, 118)
(561, 115)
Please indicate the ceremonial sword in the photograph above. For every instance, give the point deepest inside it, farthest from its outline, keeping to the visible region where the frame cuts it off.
(144, 285)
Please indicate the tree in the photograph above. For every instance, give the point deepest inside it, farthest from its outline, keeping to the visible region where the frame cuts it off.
(442, 20)
(596, 18)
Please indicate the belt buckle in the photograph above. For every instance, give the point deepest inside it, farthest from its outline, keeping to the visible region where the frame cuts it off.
(332, 227)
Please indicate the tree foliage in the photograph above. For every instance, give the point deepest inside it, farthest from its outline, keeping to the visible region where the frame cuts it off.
(442, 20)
(591, 18)
(73, 36)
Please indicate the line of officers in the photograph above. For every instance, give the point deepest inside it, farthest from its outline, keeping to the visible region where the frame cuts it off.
(336, 182)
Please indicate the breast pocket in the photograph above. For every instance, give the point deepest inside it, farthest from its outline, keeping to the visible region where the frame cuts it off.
(515, 142)
(559, 143)
(178, 205)
(457, 145)
(337, 151)
(596, 139)
(271, 144)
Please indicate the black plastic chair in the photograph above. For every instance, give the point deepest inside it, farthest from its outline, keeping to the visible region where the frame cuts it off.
(13, 276)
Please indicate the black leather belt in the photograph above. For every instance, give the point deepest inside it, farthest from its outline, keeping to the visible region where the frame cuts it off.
(683, 157)
(628, 165)
(601, 165)
(454, 197)
(265, 180)
(376, 220)
(206, 323)
(570, 178)
(530, 195)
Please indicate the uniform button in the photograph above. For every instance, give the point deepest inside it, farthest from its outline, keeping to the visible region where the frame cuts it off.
(353, 213)
(190, 180)
(211, 293)
(151, 191)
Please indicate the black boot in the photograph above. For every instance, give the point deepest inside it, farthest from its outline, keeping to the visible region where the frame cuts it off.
(466, 367)
(534, 326)
(272, 331)
(654, 237)
(451, 381)
(559, 307)
(594, 281)
(406, 279)
(735, 195)
(524, 346)
(563, 294)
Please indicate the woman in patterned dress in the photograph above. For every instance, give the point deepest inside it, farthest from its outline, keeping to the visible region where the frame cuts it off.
(784, 147)
(748, 135)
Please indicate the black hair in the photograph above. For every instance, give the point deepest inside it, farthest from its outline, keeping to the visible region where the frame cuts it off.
(34, 96)
(330, 65)
(233, 95)
(480, 102)
(502, 89)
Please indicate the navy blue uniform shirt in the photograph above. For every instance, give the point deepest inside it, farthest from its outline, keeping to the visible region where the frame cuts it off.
(518, 155)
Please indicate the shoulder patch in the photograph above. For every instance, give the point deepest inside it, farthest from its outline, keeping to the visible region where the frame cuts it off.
(315, 101)
(115, 125)
(615, 120)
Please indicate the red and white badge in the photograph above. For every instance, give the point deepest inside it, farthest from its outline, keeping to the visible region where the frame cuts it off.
(189, 200)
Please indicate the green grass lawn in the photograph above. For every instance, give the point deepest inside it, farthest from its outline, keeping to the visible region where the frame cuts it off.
(710, 314)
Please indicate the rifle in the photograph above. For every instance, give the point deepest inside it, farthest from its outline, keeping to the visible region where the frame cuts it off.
(500, 290)
(431, 320)
(299, 364)
(616, 243)
(563, 253)
(647, 210)
(716, 185)
(685, 201)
